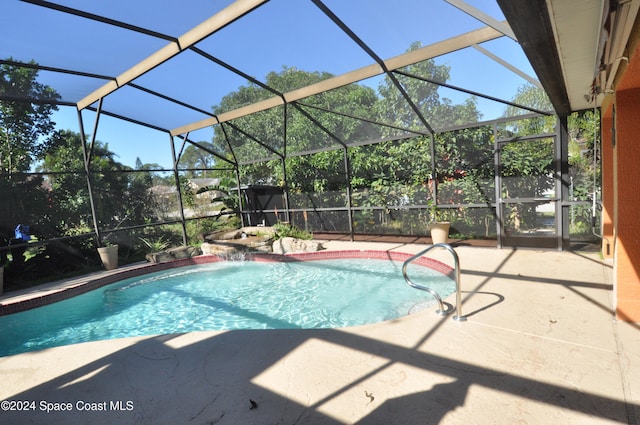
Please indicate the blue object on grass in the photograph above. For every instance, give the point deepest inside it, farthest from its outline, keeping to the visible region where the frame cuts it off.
(22, 232)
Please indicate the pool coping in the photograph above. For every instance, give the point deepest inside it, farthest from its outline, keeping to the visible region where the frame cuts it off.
(49, 293)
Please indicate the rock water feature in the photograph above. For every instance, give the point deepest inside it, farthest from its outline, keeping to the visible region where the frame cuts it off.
(254, 239)
(234, 244)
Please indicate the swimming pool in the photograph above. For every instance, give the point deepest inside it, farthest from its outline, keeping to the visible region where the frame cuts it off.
(226, 295)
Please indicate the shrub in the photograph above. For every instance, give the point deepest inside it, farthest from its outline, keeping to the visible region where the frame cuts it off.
(284, 230)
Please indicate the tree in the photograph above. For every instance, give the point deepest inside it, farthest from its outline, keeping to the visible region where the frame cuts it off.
(26, 123)
(121, 196)
(535, 98)
(395, 110)
(583, 130)
(528, 166)
(389, 173)
(399, 172)
(584, 169)
(424, 93)
(247, 133)
(195, 158)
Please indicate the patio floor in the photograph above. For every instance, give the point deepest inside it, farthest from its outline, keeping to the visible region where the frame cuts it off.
(540, 346)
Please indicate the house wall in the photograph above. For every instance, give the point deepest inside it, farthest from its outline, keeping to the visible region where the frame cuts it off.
(626, 189)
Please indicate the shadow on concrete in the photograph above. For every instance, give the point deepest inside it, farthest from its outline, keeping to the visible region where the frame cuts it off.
(213, 380)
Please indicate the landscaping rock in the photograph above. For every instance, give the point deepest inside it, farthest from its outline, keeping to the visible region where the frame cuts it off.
(259, 231)
(287, 245)
(159, 257)
(225, 235)
(212, 248)
(254, 239)
(173, 254)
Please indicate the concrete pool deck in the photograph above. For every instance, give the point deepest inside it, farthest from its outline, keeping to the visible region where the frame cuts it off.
(540, 346)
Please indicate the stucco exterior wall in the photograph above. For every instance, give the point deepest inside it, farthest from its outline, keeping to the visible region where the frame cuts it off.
(626, 176)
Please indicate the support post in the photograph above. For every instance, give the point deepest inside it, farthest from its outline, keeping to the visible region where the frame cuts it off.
(434, 171)
(286, 190)
(347, 173)
(283, 161)
(176, 176)
(86, 157)
(562, 170)
(240, 197)
(498, 186)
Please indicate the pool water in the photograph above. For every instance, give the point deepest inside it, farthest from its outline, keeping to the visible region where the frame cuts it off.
(225, 296)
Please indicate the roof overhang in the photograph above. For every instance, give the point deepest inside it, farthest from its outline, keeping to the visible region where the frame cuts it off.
(575, 46)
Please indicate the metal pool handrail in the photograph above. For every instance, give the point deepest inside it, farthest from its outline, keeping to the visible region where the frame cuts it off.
(456, 264)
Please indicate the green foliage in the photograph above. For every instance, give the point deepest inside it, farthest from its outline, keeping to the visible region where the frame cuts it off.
(222, 195)
(437, 214)
(533, 97)
(438, 112)
(286, 230)
(188, 193)
(198, 227)
(24, 199)
(24, 126)
(425, 95)
(392, 183)
(245, 133)
(216, 199)
(155, 245)
(393, 173)
(465, 153)
(583, 131)
(198, 161)
(121, 198)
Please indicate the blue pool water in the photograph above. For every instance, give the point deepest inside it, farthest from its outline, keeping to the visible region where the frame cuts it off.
(224, 296)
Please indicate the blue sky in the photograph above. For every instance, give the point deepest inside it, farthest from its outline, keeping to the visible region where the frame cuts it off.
(123, 138)
(280, 33)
